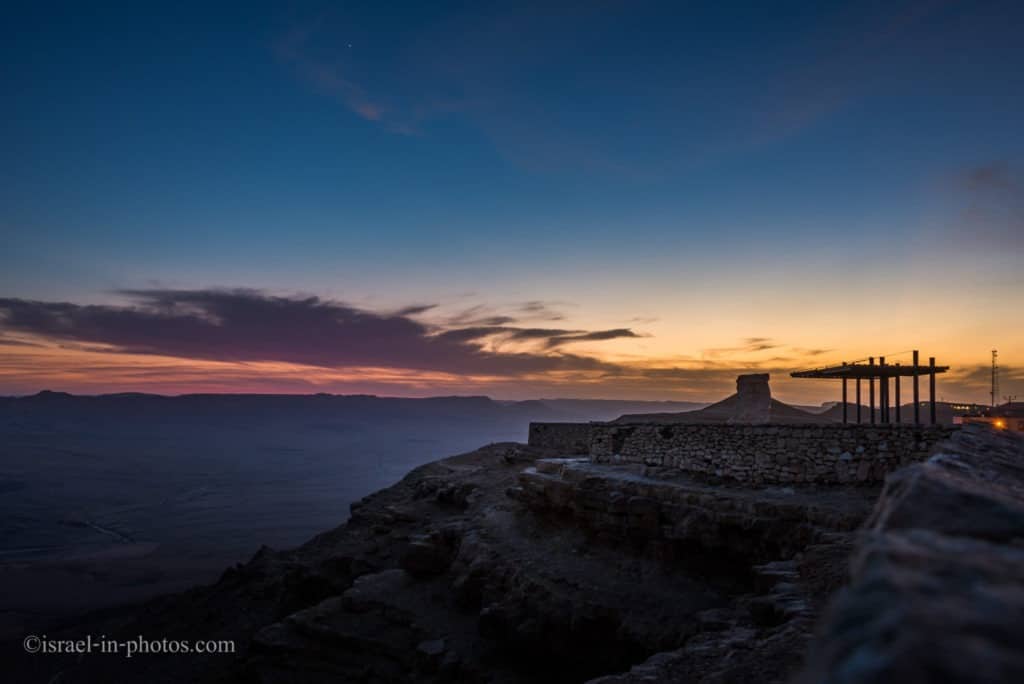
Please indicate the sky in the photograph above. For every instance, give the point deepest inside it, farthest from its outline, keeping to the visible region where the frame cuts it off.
(597, 199)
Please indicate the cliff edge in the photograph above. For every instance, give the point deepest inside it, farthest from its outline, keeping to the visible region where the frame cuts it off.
(516, 564)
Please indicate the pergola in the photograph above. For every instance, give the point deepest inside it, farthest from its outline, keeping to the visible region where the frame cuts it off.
(881, 371)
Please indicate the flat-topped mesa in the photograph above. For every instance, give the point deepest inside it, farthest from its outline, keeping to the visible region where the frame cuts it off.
(753, 399)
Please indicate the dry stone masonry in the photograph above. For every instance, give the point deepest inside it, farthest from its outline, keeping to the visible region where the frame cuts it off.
(769, 454)
(752, 454)
(566, 438)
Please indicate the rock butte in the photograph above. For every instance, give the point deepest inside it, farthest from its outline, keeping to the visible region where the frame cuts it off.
(650, 551)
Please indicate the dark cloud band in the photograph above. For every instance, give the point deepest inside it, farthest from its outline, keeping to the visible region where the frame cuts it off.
(249, 325)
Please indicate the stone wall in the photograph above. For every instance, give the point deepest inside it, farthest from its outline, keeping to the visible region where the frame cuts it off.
(566, 438)
(769, 454)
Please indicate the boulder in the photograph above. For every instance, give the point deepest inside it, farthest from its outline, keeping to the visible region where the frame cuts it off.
(936, 590)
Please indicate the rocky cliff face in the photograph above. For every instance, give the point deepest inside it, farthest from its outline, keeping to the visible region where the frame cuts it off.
(937, 580)
(470, 570)
(509, 564)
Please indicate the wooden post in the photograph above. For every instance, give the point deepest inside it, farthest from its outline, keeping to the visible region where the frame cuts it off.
(858, 400)
(931, 385)
(898, 382)
(917, 393)
(871, 390)
(844, 396)
(883, 391)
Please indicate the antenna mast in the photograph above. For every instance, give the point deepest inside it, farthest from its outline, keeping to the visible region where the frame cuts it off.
(995, 378)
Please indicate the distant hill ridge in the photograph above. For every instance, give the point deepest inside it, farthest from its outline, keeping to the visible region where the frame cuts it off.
(369, 405)
(307, 406)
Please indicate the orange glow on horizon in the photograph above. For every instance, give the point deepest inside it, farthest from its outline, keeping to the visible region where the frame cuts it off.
(34, 364)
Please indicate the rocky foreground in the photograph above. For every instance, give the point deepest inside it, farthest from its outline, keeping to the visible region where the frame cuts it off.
(510, 564)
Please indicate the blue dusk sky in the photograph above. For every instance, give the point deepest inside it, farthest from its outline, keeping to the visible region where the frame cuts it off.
(587, 199)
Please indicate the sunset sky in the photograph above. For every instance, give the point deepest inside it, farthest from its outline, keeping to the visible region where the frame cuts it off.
(619, 200)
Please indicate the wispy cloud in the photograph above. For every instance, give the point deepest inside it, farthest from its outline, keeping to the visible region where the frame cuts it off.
(593, 336)
(478, 315)
(992, 176)
(994, 196)
(549, 338)
(249, 340)
(810, 352)
(975, 381)
(329, 75)
(469, 64)
(749, 345)
(415, 309)
(248, 325)
(540, 310)
(8, 342)
(863, 41)
(488, 316)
